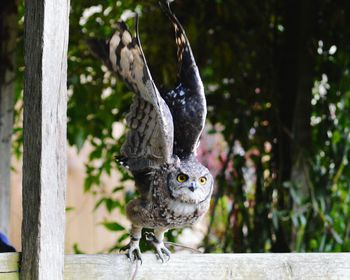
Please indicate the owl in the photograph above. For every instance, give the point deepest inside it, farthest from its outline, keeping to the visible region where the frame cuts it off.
(160, 146)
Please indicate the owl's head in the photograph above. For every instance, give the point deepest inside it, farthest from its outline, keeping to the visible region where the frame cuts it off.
(190, 182)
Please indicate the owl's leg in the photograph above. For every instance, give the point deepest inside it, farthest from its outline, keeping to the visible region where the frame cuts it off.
(134, 252)
(157, 241)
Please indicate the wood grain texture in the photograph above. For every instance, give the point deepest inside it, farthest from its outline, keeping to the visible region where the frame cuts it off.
(212, 266)
(8, 35)
(44, 158)
(9, 276)
(9, 262)
(335, 266)
(9, 266)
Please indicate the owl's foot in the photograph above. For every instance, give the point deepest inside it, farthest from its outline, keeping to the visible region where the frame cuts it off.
(162, 252)
(134, 252)
(133, 248)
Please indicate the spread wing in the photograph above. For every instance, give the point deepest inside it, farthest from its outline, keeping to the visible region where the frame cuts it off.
(149, 142)
(188, 73)
(187, 101)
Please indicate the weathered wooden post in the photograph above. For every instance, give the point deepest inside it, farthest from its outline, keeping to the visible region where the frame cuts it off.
(44, 158)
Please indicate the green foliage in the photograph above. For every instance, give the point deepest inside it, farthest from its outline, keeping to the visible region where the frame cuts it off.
(113, 226)
(76, 249)
(250, 58)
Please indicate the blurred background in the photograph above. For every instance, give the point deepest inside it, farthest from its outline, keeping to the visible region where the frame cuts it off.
(277, 81)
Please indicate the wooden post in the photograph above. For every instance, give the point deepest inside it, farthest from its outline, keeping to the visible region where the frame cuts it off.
(8, 34)
(44, 158)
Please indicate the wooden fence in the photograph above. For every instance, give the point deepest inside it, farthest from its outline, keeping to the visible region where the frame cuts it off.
(198, 266)
(44, 184)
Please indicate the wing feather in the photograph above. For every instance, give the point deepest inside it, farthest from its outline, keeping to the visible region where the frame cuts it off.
(187, 100)
(149, 142)
(188, 73)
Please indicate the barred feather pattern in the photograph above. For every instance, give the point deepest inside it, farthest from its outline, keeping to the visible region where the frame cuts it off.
(149, 141)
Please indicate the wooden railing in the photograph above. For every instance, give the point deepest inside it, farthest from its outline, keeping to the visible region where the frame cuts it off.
(198, 266)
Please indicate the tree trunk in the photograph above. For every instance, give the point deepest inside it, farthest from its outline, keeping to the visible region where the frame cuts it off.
(301, 129)
(294, 78)
(8, 34)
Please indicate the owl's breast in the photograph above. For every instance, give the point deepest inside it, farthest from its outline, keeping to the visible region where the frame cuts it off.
(184, 209)
(174, 213)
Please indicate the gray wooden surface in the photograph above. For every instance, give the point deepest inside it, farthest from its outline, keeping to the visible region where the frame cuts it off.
(9, 263)
(44, 158)
(8, 31)
(212, 267)
(333, 266)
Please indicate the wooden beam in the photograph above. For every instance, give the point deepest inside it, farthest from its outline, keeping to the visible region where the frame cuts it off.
(298, 266)
(212, 267)
(9, 266)
(44, 157)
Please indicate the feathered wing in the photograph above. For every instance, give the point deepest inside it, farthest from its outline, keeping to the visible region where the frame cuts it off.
(188, 73)
(187, 101)
(149, 142)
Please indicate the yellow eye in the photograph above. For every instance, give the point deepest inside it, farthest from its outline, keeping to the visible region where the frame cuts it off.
(181, 178)
(203, 180)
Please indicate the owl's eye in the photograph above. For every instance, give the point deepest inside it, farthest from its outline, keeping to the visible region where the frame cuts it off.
(203, 180)
(181, 178)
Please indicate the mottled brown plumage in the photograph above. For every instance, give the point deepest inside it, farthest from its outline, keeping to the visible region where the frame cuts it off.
(164, 131)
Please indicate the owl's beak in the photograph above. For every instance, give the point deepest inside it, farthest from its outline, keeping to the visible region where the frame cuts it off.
(193, 187)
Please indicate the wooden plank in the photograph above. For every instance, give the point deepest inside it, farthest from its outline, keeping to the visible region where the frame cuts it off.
(44, 158)
(9, 262)
(8, 35)
(9, 276)
(212, 266)
(9, 266)
(201, 266)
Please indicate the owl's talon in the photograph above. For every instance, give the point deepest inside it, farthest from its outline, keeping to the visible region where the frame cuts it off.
(135, 256)
(125, 248)
(134, 252)
(161, 250)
